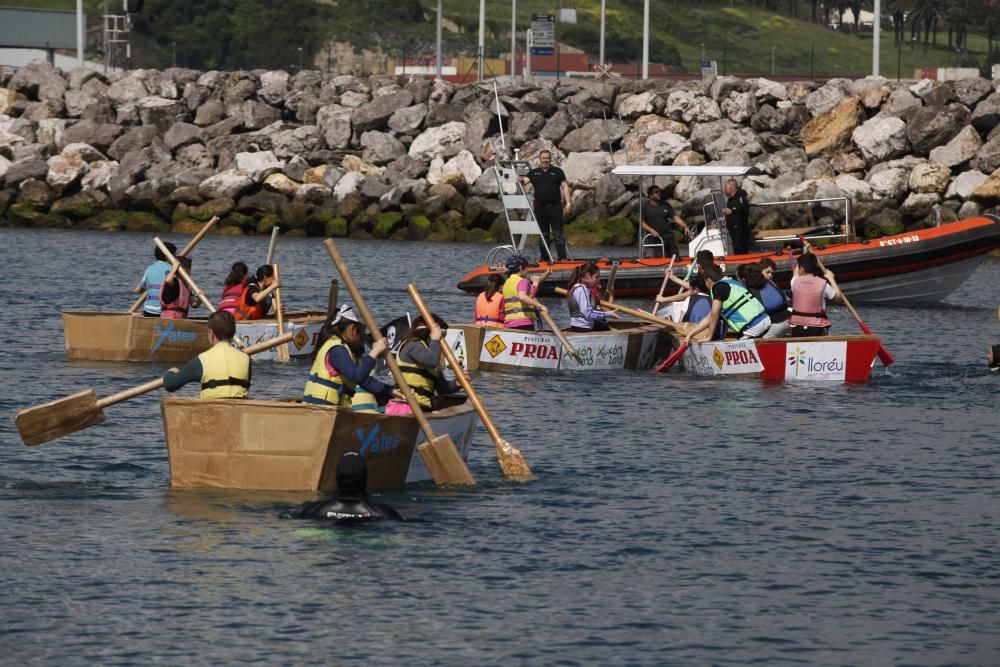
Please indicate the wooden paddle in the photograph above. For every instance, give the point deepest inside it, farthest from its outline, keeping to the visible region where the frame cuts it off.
(270, 246)
(185, 276)
(184, 251)
(883, 354)
(331, 298)
(282, 352)
(439, 452)
(666, 279)
(49, 421)
(609, 292)
(509, 457)
(672, 359)
(559, 334)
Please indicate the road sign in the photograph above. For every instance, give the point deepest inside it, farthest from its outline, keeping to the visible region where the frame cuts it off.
(543, 34)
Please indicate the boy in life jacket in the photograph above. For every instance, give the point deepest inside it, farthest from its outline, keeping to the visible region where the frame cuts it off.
(152, 281)
(350, 504)
(489, 303)
(733, 304)
(519, 302)
(224, 371)
(341, 372)
(255, 301)
(175, 295)
(419, 359)
(583, 296)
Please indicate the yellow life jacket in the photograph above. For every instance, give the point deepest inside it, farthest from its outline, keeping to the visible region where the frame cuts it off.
(322, 388)
(364, 401)
(420, 378)
(225, 372)
(514, 310)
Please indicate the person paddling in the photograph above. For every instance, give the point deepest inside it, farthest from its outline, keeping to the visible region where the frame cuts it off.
(340, 367)
(811, 289)
(350, 504)
(583, 297)
(175, 295)
(224, 371)
(419, 358)
(519, 302)
(152, 281)
(255, 301)
(733, 304)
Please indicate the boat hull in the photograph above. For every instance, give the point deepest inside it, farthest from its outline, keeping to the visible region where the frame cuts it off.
(124, 337)
(626, 346)
(290, 446)
(920, 266)
(814, 359)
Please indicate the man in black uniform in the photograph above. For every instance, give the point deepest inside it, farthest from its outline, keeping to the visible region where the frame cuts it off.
(659, 218)
(548, 183)
(737, 217)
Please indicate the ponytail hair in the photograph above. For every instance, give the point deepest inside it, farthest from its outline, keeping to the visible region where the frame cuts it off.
(236, 275)
(494, 283)
(809, 263)
(579, 271)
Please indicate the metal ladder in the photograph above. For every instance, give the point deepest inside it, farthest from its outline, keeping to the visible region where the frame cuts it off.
(517, 208)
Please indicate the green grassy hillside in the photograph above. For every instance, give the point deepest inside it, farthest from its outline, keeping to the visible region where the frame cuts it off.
(741, 37)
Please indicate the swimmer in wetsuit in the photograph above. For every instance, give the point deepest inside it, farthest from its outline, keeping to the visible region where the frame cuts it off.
(350, 505)
(993, 358)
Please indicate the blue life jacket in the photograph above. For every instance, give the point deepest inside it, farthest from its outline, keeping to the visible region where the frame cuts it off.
(700, 307)
(774, 300)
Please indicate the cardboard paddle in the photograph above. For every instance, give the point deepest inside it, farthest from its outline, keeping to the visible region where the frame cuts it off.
(282, 352)
(270, 246)
(184, 251)
(672, 359)
(883, 354)
(439, 452)
(49, 421)
(609, 291)
(509, 457)
(666, 279)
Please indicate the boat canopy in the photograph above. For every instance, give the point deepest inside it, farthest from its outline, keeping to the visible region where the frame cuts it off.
(667, 170)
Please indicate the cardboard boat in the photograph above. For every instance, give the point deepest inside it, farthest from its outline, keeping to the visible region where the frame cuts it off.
(125, 337)
(812, 359)
(292, 446)
(919, 266)
(629, 345)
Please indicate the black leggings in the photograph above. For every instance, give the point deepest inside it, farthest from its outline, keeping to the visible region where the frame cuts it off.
(800, 331)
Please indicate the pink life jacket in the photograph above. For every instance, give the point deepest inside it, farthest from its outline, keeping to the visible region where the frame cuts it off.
(178, 308)
(808, 302)
(231, 296)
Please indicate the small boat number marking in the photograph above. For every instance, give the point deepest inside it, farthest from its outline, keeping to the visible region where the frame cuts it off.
(900, 241)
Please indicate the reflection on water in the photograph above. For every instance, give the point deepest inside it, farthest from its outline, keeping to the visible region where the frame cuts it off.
(674, 520)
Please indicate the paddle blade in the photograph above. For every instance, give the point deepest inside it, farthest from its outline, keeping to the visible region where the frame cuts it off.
(884, 356)
(511, 461)
(671, 360)
(444, 462)
(49, 421)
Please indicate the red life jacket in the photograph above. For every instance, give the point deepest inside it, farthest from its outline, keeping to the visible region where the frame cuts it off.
(178, 308)
(808, 303)
(489, 313)
(231, 296)
(249, 311)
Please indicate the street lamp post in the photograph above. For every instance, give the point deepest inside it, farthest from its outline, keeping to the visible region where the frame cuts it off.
(876, 36)
(513, 38)
(645, 40)
(600, 55)
(482, 36)
(437, 49)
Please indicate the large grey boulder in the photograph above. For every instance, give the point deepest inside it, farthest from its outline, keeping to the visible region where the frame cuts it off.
(257, 166)
(584, 169)
(988, 156)
(100, 136)
(929, 177)
(930, 127)
(828, 96)
(130, 88)
(210, 113)
(180, 135)
(986, 115)
(741, 139)
(381, 147)
(334, 122)
(408, 119)
(881, 138)
(133, 140)
(965, 184)
(890, 183)
(442, 141)
(595, 135)
(375, 114)
(641, 104)
(22, 170)
(99, 175)
(39, 82)
(161, 112)
(253, 115)
(230, 183)
(666, 146)
(962, 148)
(970, 91)
(919, 204)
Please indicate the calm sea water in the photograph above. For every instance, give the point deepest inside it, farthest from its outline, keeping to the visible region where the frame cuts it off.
(675, 520)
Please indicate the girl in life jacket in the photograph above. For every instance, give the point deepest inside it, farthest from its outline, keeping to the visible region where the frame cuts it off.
(341, 372)
(232, 288)
(255, 300)
(583, 296)
(489, 303)
(420, 360)
(811, 289)
(761, 284)
(733, 304)
(175, 296)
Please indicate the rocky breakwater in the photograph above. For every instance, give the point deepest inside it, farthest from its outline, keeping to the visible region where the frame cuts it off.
(394, 158)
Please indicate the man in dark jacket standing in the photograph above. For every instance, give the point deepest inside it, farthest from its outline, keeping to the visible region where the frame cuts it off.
(549, 183)
(737, 217)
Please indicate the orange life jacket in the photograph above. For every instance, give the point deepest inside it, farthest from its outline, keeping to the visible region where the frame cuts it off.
(489, 312)
(251, 311)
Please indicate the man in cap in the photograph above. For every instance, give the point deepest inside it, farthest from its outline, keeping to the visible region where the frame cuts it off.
(340, 368)
(350, 504)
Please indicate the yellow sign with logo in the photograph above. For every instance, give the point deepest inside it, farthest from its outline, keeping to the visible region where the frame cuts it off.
(495, 346)
(718, 358)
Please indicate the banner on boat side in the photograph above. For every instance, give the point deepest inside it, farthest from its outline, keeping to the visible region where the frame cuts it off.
(455, 337)
(723, 358)
(595, 351)
(816, 361)
(303, 342)
(647, 350)
(521, 348)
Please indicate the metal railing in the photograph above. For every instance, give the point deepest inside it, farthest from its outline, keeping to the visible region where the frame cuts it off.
(848, 224)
